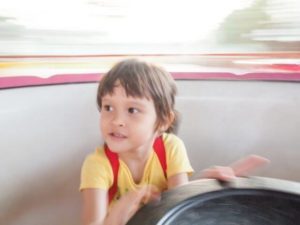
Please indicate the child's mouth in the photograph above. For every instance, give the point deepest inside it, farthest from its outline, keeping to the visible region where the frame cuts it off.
(117, 135)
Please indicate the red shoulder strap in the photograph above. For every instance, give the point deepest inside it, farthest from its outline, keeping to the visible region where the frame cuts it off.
(159, 149)
(114, 162)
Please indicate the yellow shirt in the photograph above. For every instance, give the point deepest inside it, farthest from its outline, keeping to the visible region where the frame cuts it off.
(96, 171)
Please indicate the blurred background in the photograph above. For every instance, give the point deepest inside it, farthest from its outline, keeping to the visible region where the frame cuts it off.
(184, 35)
(46, 131)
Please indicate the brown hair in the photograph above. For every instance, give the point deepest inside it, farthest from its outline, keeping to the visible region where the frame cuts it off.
(143, 80)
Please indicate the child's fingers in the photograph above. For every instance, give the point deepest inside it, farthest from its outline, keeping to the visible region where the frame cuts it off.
(150, 193)
(246, 165)
(143, 196)
(131, 202)
(219, 172)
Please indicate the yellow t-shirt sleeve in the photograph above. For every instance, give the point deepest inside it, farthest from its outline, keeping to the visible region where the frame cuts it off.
(96, 171)
(176, 154)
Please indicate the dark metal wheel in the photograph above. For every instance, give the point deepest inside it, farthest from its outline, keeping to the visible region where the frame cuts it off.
(247, 201)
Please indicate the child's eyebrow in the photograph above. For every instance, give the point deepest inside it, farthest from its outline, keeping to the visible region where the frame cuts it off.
(130, 101)
(105, 99)
(138, 102)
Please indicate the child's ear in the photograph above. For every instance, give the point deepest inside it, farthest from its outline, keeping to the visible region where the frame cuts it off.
(171, 119)
(165, 126)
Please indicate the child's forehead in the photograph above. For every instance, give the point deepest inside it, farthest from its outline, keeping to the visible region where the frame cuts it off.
(120, 92)
(118, 89)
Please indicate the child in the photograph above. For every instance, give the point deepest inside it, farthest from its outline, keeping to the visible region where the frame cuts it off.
(141, 157)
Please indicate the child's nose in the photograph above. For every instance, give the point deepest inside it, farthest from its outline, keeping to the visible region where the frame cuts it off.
(119, 120)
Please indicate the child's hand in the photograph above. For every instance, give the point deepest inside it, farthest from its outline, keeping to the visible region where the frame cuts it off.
(241, 167)
(224, 173)
(130, 203)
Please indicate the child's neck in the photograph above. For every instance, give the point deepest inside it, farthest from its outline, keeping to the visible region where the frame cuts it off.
(136, 162)
(136, 156)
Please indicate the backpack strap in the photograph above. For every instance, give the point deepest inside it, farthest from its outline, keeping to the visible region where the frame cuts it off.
(159, 149)
(115, 164)
(113, 158)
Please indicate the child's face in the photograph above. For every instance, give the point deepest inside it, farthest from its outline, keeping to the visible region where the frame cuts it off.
(127, 123)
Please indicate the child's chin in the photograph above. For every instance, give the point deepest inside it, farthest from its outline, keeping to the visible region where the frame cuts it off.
(116, 148)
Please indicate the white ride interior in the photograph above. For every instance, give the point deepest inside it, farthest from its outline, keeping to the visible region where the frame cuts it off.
(47, 131)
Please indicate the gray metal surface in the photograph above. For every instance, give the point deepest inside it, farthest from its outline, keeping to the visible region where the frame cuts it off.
(247, 201)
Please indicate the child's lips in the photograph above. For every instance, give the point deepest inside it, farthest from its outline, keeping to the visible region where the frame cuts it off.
(117, 135)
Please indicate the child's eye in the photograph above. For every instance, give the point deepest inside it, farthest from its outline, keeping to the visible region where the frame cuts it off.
(107, 108)
(133, 110)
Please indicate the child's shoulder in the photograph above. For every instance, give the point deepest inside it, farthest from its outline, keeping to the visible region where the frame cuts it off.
(174, 147)
(171, 139)
(97, 156)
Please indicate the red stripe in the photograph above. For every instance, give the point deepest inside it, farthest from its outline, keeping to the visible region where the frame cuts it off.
(25, 81)
(114, 162)
(159, 148)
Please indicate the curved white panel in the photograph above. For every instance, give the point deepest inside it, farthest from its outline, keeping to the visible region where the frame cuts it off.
(46, 132)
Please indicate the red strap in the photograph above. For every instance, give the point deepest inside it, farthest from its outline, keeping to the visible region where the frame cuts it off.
(114, 162)
(159, 148)
(113, 158)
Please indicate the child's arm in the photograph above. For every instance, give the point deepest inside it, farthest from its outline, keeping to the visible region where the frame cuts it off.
(94, 206)
(241, 167)
(177, 180)
(129, 204)
(95, 210)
